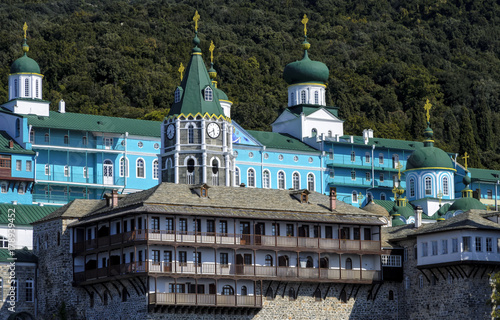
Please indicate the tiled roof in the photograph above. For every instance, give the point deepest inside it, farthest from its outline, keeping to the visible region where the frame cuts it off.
(236, 202)
(5, 138)
(22, 255)
(308, 109)
(283, 141)
(89, 122)
(484, 175)
(381, 143)
(75, 209)
(25, 214)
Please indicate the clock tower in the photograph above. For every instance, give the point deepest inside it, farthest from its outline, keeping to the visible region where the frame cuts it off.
(196, 134)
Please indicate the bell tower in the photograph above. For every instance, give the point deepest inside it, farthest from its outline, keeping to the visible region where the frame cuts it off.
(196, 134)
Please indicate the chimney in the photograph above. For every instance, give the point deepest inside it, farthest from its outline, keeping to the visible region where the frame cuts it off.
(242, 185)
(418, 217)
(351, 139)
(62, 106)
(11, 144)
(333, 198)
(114, 198)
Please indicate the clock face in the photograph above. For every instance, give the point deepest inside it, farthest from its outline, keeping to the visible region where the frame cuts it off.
(170, 131)
(213, 130)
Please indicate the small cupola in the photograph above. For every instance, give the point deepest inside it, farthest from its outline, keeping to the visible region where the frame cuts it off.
(201, 190)
(301, 195)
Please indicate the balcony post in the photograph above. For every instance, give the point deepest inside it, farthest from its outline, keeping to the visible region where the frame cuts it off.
(196, 292)
(254, 294)
(275, 262)
(340, 266)
(359, 227)
(235, 292)
(254, 261)
(234, 231)
(298, 263)
(175, 259)
(276, 231)
(175, 230)
(360, 267)
(196, 261)
(215, 260)
(175, 290)
(319, 265)
(216, 288)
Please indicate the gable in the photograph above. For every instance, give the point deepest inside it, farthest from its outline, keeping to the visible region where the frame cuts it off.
(241, 136)
(323, 115)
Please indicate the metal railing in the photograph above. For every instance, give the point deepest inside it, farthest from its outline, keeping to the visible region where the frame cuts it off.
(205, 299)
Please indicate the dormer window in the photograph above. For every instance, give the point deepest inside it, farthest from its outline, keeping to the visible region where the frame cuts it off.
(209, 94)
(203, 192)
(177, 94)
(304, 197)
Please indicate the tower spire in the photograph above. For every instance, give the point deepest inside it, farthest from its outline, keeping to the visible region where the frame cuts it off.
(305, 45)
(428, 133)
(26, 48)
(212, 72)
(196, 40)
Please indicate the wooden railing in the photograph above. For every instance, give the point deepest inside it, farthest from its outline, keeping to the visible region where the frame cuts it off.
(205, 300)
(208, 238)
(212, 269)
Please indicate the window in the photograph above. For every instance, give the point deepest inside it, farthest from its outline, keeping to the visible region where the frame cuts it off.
(332, 173)
(85, 172)
(445, 186)
(281, 180)
(280, 157)
(108, 142)
(310, 182)
(348, 264)
(237, 176)
(244, 291)
(382, 196)
(21, 189)
(227, 290)
(266, 179)
(66, 139)
(353, 175)
(16, 88)
(498, 245)
(123, 167)
(479, 242)
(183, 225)
(330, 135)
(177, 95)
(4, 242)
(420, 281)
(37, 89)
(395, 161)
(391, 261)
(353, 156)
(169, 224)
(368, 176)
(489, 245)
(18, 165)
(412, 187)
(407, 282)
(223, 227)
(156, 256)
(197, 259)
(27, 87)
(303, 97)
(466, 244)
(454, 245)
(289, 230)
(18, 127)
(434, 248)
(316, 97)
(47, 170)
(224, 258)
(428, 186)
(405, 254)
(140, 144)
(381, 177)
(155, 223)
(381, 158)
(84, 140)
(140, 168)
(182, 258)
(66, 171)
(444, 246)
(314, 132)
(296, 181)
(251, 177)
(190, 133)
(291, 294)
(28, 165)
(367, 157)
(292, 98)
(47, 138)
(209, 95)
(424, 249)
(155, 169)
(269, 261)
(489, 194)
(354, 197)
(32, 136)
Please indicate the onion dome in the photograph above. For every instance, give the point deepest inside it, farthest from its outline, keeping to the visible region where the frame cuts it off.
(306, 70)
(377, 209)
(466, 204)
(25, 64)
(222, 95)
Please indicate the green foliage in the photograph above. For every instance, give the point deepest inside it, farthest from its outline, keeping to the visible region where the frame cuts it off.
(386, 57)
(495, 297)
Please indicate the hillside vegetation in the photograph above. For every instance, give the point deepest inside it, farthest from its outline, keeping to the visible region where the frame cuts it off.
(120, 58)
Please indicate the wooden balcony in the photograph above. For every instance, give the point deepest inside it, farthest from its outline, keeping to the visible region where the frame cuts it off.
(231, 240)
(193, 299)
(239, 271)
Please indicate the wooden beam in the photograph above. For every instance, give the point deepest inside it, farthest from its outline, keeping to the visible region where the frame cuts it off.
(370, 292)
(268, 287)
(284, 288)
(426, 277)
(95, 290)
(462, 270)
(317, 287)
(455, 269)
(444, 278)
(485, 269)
(116, 287)
(376, 292)
(88, 292)
(276, 292)
(297, 292)
(451, 272)
(126, 290)
(133, 285)
(327, 290)
(350, 293)
(143, 284)
(356, 293)
(479, 267)
(437, 279)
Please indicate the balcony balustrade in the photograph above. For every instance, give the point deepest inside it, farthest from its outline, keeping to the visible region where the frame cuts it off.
(188, 237)
(233, 270)
(194, 299)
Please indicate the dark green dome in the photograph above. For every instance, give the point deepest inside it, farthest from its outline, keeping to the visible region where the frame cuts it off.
(429, 157)
(222, 95)
(466, 204)
(306, 70)
(25, 65)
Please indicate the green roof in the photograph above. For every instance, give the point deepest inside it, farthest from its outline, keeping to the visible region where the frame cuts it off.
(25, 214)
(25, 65)
(306, 70)
(22, 255)
(283, 141)
(484, 175)
(406, 211)
(5, 138)
(307, 109)
(429, 157)
(380, 143)
(89, 122)
(222, 95)
(466, 204)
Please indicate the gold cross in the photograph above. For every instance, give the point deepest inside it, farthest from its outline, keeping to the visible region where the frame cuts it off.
(427, 108)
(195, 19)
(181, 70)
(211, 49)
(399, 166)
(304, 22)
(25, 27)
(395, 191)
(465, 157)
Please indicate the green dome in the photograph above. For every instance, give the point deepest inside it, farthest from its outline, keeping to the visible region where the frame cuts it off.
(221, 94)
(306, 70)
(466, 204)
(429, 157)
(25, 65)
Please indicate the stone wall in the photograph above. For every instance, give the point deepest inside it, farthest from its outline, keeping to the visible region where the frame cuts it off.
(23, 272)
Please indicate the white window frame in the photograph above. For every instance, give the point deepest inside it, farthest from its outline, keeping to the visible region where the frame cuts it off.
(138, 173)
(47, 169)
(391, 260)
(155, 169)
(412, 187)
(29, 166)
(428, 186)
(266, 179)
(354, 197)
(281, 180)
(30, 285)
(19, 165)
(237, 176)
(303, 97)
(208, 94)
(311, 181)
(66, 171)
(124, 169)
(251, 179)
(296, 180)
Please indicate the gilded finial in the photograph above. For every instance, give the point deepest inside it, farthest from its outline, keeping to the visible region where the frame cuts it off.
(427, 108)
(25, 28)
(304, 22)
(399, 166)
(465, 157)
(181, 70)
(395, 191)
(211, 49)
(195, 19)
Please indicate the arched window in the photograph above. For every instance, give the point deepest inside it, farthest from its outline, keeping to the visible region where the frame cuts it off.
(251, 177)
(237, 176)
(209, 95)
(329, 133)
(190, 171)
(310, 182)
(348, 264)
(18, 127)
(32, 136)
(215, 172)
(4, 242)
(244, 291)
(266, 179)
(269, 260)
(16, 88)
(369, 197)
(47, 138)
(303, 97)
(395, 161)
(37, 89)
(292, 98)
(310, 262)
(281, 180)
(190, 133)
(314, 132)
(412, 188)
(296, 181)
(227, 290)
(354, 197)
(26, 87)
(428, 186)
(123, 167)
(316, 97)
(155, 169)
(140, 168)
(445, 186)
(353, 156)
(324, 263)
(177, 95)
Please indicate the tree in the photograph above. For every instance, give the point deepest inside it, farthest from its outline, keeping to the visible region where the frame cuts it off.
(467, 141)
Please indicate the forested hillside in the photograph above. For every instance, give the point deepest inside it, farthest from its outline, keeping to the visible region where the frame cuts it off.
(386, 58)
